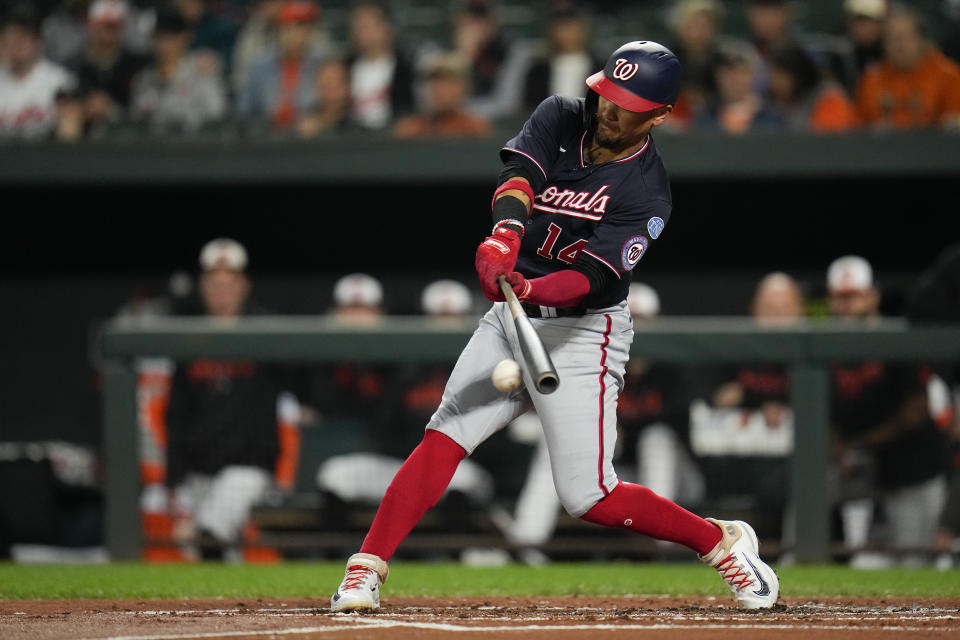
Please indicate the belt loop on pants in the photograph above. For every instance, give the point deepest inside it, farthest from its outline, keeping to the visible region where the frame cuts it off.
(536, 311)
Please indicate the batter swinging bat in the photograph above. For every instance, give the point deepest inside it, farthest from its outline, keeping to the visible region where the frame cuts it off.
(535, 357)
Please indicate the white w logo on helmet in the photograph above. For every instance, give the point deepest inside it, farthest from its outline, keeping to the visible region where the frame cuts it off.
(624, 70)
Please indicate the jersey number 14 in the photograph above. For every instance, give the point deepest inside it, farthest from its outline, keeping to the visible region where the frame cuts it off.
(568, 254)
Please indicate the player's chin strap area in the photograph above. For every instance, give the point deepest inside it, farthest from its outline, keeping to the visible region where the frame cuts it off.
(590, 106)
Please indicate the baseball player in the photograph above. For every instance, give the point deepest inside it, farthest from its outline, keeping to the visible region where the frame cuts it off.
(582, 194)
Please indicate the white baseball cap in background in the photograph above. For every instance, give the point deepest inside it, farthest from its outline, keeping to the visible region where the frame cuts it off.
(107, 11)
(874, 9)
(643, 301)
(849, 273)
(223, 253)
(446, 297)
(358, 290)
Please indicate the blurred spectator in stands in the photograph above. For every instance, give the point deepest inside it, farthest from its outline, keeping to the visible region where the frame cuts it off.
(64, 30)
(738, 107)
(260, 33)
(770, 23)
(561, 69)
(332, 110)
(106, 68)
(226, 449)
(139, 27)
(210, 32)
(178, 92)
(889, 436)
(32, 89)
(915, 85)
(497, 64)
(444, 114)
(281, 86)
(696, 25)
(257, 34)
(806, 100)
(772, 27)
(863, 37)
(381, 72)
(70, 117)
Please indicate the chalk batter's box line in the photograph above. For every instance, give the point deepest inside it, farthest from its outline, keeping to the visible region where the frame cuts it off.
(437, 626)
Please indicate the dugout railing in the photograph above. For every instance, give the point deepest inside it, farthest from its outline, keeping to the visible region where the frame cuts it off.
(805, 350)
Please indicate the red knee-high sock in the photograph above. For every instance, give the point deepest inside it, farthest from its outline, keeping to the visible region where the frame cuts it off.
(634, 507)
(417, 487)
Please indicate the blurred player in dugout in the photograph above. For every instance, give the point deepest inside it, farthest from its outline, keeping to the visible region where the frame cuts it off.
(742, 419)
(407, 395)
(350, 393)
(230, 424)
(890, 425)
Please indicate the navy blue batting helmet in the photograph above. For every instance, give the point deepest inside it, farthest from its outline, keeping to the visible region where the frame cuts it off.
(639, 76)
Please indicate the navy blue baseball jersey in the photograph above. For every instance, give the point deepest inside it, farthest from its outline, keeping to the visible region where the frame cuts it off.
(608, 212)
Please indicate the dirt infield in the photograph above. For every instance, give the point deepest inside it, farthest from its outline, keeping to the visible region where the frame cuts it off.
(557, 618)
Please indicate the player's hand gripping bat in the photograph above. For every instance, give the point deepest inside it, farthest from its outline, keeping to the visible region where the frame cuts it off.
(536, 360)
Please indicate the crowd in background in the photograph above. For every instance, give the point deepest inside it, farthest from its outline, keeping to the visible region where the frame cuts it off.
(78, 69)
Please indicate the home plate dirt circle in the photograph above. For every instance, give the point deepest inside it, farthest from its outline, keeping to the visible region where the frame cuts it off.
(556, 618)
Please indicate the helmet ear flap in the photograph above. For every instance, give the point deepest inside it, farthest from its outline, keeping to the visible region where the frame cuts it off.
(591, 103)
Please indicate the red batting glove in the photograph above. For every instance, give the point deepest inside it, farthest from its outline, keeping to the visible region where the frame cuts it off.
(520, 285)
(496, 256)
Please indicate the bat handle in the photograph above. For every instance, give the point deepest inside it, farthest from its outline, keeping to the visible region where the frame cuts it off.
(536, 359)
(515, 308)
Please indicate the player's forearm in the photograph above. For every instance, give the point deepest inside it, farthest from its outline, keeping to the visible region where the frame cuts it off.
(565, 288)
(511, 204)
(518, 194)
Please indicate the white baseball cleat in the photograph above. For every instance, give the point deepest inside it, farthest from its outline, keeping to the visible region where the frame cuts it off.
(360, 589)
(736, 558)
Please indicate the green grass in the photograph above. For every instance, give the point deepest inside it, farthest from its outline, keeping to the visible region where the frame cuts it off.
(302, 579)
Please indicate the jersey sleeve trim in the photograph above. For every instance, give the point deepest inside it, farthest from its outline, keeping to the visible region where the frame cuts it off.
(595, 256)
(532, 159)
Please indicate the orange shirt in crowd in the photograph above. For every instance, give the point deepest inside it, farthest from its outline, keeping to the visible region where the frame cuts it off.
(926, 96)
(833, 111)
(450, 125)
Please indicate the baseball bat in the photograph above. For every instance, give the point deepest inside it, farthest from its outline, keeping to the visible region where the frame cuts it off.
(535, 357)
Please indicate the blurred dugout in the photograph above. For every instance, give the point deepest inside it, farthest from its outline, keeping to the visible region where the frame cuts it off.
(216, 437)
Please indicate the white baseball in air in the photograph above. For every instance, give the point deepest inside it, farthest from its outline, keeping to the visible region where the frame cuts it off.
(506, 375)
